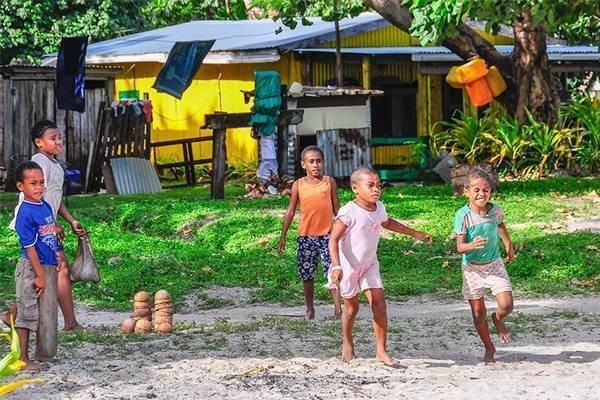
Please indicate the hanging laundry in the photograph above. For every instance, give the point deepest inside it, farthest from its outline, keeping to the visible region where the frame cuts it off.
(70, 74)
(182, 64)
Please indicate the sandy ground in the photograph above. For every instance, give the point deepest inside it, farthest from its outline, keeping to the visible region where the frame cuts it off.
(270, 352)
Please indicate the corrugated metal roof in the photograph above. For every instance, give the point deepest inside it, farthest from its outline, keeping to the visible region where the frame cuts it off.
(323, 91)
(439, 53)
(229, 36)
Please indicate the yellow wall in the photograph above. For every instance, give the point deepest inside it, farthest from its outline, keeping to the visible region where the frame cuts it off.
(215, 88)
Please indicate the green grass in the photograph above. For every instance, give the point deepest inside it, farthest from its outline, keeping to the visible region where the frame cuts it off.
(181, 240)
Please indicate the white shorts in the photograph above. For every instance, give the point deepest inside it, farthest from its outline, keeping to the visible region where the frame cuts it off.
(355, 280)
(478, 278)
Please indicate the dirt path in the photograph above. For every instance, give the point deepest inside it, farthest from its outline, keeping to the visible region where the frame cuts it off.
(270, 352)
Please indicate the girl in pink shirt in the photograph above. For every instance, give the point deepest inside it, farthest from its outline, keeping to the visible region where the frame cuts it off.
(353, 248)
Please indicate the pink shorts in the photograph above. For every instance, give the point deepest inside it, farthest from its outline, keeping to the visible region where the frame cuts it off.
(478, 278)
(355, 280)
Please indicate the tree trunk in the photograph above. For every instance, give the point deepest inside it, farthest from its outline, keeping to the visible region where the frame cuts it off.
(536, 90)
(338, 51)
(526, 71)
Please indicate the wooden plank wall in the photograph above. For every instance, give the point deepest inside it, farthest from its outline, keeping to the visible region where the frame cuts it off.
(30, 100)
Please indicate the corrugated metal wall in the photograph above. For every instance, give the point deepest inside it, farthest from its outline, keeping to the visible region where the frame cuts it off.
(322, 71)
(384, 37)
(345, 150)
(406, 72)
(393, 155)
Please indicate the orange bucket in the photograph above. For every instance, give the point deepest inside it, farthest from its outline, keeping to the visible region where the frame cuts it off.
(479, 92)
(495, 81)
(474, 69)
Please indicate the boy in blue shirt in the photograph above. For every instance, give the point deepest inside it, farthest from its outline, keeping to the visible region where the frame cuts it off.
(478, 227)
(36, 228)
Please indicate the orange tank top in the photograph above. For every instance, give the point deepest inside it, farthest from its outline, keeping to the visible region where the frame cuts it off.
(316, 208)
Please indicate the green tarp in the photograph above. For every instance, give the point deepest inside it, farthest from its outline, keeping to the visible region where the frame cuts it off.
(267, 102)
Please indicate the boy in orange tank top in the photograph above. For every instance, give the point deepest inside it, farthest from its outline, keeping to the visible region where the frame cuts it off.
(319, 203)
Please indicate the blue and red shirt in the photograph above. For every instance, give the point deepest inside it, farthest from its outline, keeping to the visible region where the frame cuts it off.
(36, 226)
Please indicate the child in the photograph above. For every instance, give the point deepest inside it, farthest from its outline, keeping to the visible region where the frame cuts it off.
(46, 137)
(477, 227)
(319, 203)
(353, 247)
(36, 228)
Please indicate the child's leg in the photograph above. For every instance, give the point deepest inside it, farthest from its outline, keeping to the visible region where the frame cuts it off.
(480, 319)
(380, 324)
(11, 311)
(23, 334)
(65, 300)
(307, 257)
(505, 307)
(309, 289)
(351, 307)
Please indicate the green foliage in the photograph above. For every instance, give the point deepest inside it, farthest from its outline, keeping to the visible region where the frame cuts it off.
(161, 13)
(574, 20)
(290, 12)
(31, 28)
(584, 112)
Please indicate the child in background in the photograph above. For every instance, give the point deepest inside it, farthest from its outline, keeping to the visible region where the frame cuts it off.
(319, 203)
(353, 248)
(47, 139)
(478, 226)
(36, 228)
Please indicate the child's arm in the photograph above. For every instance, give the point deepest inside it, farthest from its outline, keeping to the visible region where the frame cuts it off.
(335, 200)
(334, 250)
(62, 261)
(510, 251)
(462, 246)
(289, 216)
(393, 225)
(78, 229)
(40, 277)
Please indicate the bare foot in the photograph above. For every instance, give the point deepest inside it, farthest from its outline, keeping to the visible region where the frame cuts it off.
(73, 327)
(385, 358)
(488, 358)
(337, 312)
(310, 314)
(503, 332)
(348, 352)
(31, 366)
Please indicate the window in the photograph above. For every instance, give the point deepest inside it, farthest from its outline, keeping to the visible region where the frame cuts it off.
(395, 113)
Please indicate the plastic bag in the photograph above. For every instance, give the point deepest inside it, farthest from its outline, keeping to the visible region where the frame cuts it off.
(84, 266)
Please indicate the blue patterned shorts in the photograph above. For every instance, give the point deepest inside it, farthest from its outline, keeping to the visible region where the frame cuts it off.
(309, 248)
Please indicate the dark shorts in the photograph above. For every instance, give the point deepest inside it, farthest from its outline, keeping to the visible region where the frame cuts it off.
(27, 298)
(309, 249)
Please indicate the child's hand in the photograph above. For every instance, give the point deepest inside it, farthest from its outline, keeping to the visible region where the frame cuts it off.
(336, 276)
(40, 284)
(281, 245)
(78, 229)
(510, 253)
(479, 242)
(61, 266)
(60, 232)
(423, 237)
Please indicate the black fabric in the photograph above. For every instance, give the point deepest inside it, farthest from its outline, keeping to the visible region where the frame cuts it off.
(70, 73)
(182, 64)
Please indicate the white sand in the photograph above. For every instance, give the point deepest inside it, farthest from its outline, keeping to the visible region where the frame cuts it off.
(270, 352)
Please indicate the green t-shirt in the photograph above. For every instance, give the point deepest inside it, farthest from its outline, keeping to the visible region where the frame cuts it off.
(472, 224)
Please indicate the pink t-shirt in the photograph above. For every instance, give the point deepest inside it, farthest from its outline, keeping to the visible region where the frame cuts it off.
(358, 248)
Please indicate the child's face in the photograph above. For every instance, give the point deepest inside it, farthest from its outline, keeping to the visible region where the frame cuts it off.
(478, 191)
(32, 185)
(312, 163)
(50, 142)
(368, 188)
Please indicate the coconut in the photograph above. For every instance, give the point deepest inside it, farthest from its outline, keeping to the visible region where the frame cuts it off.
(143, 326)
(164, 310)
(161, 319)
(141, 304)
(142, 312)
(164, 328)
(141, 296)
(128, 325)
(161, 295)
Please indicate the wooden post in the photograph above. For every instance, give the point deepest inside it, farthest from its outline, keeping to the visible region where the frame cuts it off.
(47, 333)
(219, 159)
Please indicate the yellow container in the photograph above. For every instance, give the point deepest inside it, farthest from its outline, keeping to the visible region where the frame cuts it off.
(479, 92)
(452, 79)
(495, 81)
(474, 69)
